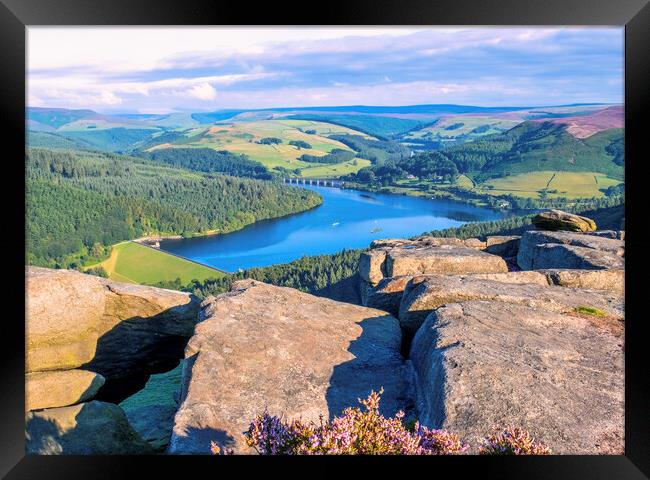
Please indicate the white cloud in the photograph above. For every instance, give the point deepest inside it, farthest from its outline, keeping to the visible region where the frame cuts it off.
(157, 69)
(134, 49)
(204, 91)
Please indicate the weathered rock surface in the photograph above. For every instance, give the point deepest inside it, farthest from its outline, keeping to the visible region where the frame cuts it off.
(551, 255)
(503, 245)
(387, 295)
(542, 250)
(438, 290)
(264, 347)
(612, 280)
(559, 220)
(93, 428)
(371, 266)
(519, 277)
(615, 234)
(123, 332)
(153, 423)
(60, 388)
(445, 259)
(559, 376)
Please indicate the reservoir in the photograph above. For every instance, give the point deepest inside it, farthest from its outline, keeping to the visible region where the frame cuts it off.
(346, 219)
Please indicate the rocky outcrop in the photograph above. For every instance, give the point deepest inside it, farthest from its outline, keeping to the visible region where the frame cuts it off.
(372, 266)
(397, 257)
(612, 280)
(123, 332)
(560, 376)
(540, 348)
(93, 428)
(388, 294)
(565, 250)
(445, 259)
(92, 338)
(438, 290)
(60, 388)
(559, 220)
(261, 347)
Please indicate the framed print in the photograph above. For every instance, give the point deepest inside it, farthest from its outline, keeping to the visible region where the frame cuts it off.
(392, 233)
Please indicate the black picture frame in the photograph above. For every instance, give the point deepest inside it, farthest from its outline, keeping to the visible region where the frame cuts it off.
(15, 15)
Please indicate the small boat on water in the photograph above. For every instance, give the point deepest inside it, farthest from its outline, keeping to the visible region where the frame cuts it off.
(336, 223)
(375, 230)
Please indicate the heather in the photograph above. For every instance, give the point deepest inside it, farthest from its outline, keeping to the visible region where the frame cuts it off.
(364, 431)
(512, 441)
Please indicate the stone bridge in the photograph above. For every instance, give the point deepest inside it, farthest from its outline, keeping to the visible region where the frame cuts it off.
(315, 181)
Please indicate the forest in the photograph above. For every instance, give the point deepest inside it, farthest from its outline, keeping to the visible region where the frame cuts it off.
(337, 155)
(79, 203)
(209, 160)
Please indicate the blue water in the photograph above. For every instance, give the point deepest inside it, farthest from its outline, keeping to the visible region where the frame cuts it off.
(346, 219)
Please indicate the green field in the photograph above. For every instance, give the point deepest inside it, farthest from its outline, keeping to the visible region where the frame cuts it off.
(335, 169)
(556, 184)
(241, 138)
(134, 263)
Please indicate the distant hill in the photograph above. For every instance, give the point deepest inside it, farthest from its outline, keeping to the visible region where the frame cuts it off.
(375, 125)
(55, 141)
(541, 146)
(57, 117)
(583, 126)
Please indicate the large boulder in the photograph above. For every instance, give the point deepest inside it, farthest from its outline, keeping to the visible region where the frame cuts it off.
(565, 250)
(371, 266)
(123, 332)
(388, 293)
(559, 220)
(557, 256)
(60, 388)
(445, 259)
(438, 290)
(612, 280)
(93, 428)
(559, 376)
(265, 348)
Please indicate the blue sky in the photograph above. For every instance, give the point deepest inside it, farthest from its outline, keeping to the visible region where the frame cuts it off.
(161, 70)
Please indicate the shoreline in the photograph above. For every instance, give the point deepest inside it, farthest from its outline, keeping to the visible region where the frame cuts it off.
(184, 258)
(210, 233)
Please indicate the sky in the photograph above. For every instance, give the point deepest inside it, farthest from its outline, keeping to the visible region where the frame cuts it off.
(182, 69)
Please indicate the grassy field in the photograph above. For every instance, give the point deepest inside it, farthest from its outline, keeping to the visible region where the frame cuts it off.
(464, 181)
(335, 169)
(242, 138)
(134, 263)
(557, 184)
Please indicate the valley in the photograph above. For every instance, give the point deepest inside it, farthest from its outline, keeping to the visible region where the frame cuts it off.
(154, 166)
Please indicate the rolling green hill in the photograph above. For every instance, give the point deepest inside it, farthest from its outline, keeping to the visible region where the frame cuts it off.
(279, 145)
(540, 146)
(55, 141)
(375, 125)
(535, 160)
(118, 139)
